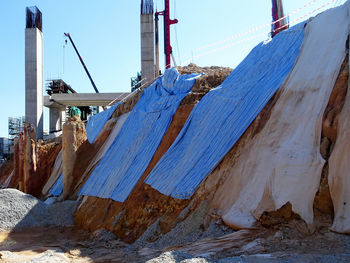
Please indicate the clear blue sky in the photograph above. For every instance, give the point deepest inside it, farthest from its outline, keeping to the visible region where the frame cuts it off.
(107, 34)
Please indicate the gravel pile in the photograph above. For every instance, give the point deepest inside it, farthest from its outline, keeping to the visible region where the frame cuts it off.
(176, 257)
(19, 210)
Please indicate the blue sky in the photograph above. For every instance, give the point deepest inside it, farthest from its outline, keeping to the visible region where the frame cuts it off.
(107, 35)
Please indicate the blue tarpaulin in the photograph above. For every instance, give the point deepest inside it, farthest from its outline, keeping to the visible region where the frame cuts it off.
(97, 122)
(57, 188)
(222, 116)
(129, 155)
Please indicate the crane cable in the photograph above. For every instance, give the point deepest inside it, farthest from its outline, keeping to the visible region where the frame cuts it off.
(297, 10)
(251, 31)
(64, 56)
(177, 42)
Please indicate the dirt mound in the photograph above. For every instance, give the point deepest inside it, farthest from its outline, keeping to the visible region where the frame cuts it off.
(213, 70)
(213, 77)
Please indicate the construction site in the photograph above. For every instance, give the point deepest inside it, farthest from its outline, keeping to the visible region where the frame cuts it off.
(249, 163)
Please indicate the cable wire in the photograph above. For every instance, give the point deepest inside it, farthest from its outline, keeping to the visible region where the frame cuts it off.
(251, 31)
(177, 42)
(256, 28)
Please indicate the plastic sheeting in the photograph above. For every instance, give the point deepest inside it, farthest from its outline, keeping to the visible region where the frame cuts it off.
(222, 116)
(8, 180)
(57, 188)
(97, 122)
(120, 122)
(128, 157)
(55, 174)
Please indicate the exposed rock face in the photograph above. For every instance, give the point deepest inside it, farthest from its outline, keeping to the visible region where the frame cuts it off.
(336, 103)
(323, 201)
(20, 158)
(47, 153)
(339, 165)
(73, 136)
(16, 164)
(55, 166)
(32, 162)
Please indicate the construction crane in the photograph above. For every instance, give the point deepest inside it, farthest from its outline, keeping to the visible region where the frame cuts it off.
(82, 62)
(280, 23)
(168, 50)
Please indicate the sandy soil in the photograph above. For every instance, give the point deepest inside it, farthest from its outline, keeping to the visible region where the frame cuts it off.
(285, 243)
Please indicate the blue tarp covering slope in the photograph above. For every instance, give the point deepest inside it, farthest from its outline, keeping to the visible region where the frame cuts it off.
(129, 155)
(97, 122)
(57, 188)
(222, 116)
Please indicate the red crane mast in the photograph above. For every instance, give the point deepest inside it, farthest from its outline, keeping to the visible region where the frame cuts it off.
(168, 50)
(278, 15)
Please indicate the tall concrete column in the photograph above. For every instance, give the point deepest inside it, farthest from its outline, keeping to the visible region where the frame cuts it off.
(147, 42)
(34, 70)
(57, 118)
(63, 117)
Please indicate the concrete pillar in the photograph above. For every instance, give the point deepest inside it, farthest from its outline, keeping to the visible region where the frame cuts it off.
(34, 71)
(147, 42)
(57, 118)
(63, 117)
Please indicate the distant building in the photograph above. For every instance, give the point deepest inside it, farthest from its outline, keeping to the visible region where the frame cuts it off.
(15, 126)
(5, 147)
